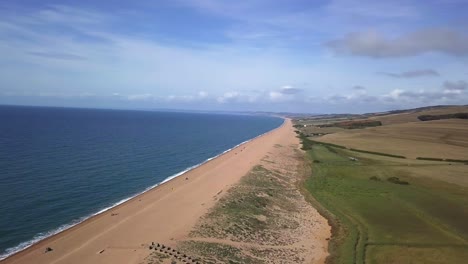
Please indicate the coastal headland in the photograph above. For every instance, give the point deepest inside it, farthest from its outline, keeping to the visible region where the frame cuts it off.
(169, 213)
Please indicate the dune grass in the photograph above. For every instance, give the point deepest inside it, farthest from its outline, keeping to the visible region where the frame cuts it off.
(377, 221)
(255, 221)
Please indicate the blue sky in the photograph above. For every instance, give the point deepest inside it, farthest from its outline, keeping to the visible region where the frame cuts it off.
(296, 56)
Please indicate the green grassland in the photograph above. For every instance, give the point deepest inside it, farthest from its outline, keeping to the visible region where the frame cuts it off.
(377, 220)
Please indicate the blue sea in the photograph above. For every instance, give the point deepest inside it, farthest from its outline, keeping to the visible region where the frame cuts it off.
(59, 166)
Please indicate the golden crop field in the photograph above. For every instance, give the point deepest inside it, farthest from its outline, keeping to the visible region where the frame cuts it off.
(446, 139)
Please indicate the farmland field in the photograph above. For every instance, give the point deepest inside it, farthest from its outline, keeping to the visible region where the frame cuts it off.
(377, 219)
(446, 139)
(412, 116)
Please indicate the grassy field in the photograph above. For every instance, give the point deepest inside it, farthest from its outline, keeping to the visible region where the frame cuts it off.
(444, 139)
(380, 221)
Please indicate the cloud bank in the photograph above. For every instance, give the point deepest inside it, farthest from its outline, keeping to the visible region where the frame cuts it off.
(412, 74)
(376, 45)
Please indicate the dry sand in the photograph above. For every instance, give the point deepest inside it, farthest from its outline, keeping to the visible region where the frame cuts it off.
(165, 214)
(262, 219)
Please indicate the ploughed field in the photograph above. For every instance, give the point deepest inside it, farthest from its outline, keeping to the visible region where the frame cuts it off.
(390, 210)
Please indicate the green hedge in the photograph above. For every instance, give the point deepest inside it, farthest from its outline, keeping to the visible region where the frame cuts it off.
(446, 116)
(432, 159)
(439, 159)
(308, 143)
(378, 153)
(456, 160)
(327, 144)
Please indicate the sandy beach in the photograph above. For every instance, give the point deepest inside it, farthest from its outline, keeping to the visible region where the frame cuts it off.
(165, 214)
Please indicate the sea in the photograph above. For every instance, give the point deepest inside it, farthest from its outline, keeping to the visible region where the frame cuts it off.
(60, 166)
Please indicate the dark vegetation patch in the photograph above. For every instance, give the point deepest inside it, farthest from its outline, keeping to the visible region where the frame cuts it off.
(353, 124)
(431, 159)
(378, 153)
(440, 159)
(307, 143)
(397, 180)
(445, 116)
(456, 160)
(375, 178)
(218, 253)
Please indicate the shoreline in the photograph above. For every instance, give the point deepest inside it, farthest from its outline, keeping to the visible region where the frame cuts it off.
(69, 228)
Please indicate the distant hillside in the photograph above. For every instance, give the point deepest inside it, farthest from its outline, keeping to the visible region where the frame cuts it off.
(411, 115)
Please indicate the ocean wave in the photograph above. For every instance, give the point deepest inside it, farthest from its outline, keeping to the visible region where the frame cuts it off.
(43, 235)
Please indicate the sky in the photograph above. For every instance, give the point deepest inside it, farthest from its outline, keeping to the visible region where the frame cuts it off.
(337, 56)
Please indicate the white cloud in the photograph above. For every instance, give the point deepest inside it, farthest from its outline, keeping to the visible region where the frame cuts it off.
(202, 94)
(289, 89)
(449, 93)
(277, 96)
(139, 67)
(139, 97)
(228, 97)
(264, 96)
(395, 94)
(170, 98)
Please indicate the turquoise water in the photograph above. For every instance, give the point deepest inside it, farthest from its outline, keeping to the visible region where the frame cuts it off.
(59, 166)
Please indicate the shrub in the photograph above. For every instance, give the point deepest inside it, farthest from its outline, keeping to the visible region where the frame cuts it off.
(306, 143)
(358, 124)
(396, 180)
(456, 160)
(433, 159)
(375, 178)
(446, 116)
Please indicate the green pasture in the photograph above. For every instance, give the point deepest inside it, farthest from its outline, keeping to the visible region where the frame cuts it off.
(376, 220)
